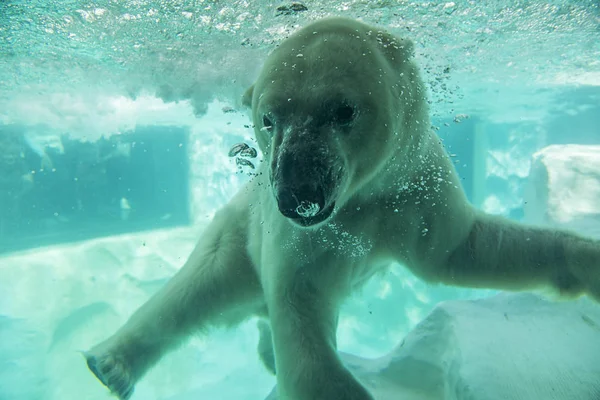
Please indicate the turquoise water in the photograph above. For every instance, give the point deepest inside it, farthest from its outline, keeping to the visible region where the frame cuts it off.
(115, 123)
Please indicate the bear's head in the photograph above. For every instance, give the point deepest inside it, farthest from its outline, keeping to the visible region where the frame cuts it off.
(331, 106)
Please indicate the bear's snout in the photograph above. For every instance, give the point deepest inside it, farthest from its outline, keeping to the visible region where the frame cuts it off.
(305, 179)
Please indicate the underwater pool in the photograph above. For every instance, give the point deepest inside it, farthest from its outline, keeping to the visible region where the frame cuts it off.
(118, 122)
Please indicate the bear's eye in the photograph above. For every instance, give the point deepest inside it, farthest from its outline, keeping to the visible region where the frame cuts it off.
(267, 123)
(344, 114)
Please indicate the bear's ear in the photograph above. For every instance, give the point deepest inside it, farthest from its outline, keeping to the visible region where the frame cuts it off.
(397, 50)
(406, 47)
(247, 98)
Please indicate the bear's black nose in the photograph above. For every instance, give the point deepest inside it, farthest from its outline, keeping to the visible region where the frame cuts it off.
(304, 201)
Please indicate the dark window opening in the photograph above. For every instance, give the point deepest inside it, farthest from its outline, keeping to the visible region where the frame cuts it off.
(78, 190)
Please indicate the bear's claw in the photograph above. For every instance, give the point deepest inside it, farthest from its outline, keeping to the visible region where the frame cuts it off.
(112, 374)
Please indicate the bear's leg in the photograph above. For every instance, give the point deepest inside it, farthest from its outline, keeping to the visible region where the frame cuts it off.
(216, 286)
(303, 322)
(265, 346)
(502, 254)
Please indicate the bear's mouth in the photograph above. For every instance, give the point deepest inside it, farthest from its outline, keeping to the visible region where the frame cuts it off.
(308, 218)
(304, 205)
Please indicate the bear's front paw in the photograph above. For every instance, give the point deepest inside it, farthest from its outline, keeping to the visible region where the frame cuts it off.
(112, 373)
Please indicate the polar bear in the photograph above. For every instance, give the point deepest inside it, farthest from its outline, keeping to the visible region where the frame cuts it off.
(353, 179)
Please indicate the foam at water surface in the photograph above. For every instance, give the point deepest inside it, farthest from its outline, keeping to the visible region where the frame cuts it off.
(493, 56)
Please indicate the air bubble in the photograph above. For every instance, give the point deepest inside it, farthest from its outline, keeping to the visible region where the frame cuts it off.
(308, 209)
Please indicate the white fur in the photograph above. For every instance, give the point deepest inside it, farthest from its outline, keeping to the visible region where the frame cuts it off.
(397, 198)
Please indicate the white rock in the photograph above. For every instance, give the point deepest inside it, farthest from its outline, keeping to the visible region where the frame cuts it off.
(510, 346)
(564, 188)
